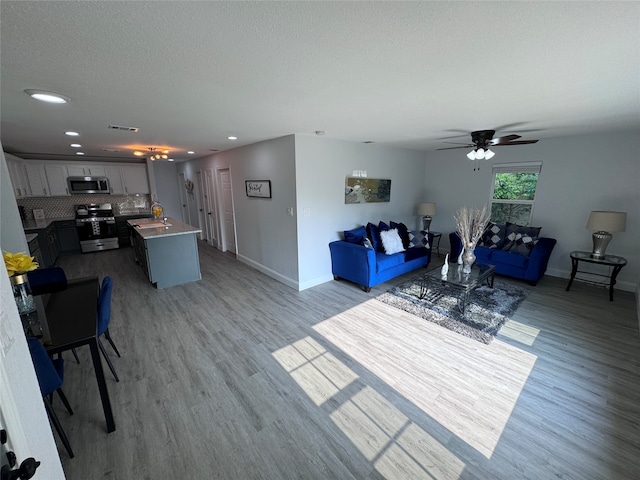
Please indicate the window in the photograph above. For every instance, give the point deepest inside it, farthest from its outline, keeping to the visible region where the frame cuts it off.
(513, 192)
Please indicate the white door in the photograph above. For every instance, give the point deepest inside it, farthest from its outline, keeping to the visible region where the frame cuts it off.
(228, 222)
(212, 237)
(183, 199)
(200, 204)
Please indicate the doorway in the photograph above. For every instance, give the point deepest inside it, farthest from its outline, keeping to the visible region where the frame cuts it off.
(210, 208)
(227, 225)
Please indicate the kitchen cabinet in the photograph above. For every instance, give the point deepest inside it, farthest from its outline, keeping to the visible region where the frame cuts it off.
(86, 170)
(18, 175)
(67, 237)
(51, 248)
(134, 178)
(168, 254)
(37, 179)
(57, 179)
(116, 187)
(35, 252)
(47, 180)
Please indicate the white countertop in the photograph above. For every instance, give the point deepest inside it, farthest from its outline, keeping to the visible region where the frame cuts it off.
(173, 227)
(30, 225)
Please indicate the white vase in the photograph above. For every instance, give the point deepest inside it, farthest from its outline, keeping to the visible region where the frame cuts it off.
(445, 268)
(460, 257)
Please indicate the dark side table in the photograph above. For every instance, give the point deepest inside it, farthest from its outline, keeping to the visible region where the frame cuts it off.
(613, 261)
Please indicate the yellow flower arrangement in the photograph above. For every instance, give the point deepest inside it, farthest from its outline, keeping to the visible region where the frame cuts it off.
(18, 263)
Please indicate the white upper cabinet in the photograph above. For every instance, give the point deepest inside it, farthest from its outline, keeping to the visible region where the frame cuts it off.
(116, 187)
(37, 178)
(57, 179)
(18, 175)
(47, 180)
(86, 170)
(134, 178)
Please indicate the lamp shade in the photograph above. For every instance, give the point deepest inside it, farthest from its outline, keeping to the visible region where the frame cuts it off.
(606, 221)
(427, 209)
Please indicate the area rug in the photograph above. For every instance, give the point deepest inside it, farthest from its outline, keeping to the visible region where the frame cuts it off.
(486, 311)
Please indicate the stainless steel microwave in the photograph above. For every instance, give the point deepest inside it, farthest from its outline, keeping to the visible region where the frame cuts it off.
(81, 185)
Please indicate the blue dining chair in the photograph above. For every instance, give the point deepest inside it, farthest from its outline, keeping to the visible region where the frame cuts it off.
(104, 317)
(50, 375)
(47, 280)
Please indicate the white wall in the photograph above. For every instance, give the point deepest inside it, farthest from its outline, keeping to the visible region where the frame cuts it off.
(322, 164)
(21, 406)
(266, 235)
(579, 174)
(166, 179)
(308, 172)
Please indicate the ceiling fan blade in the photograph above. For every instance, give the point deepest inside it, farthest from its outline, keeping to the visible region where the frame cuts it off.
(509, 126)
(505, 139)
(463, 146)
(517, 142)
(460, 143)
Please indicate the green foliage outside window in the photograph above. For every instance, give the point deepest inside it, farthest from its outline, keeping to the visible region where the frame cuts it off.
(515, 186)
(520, 188)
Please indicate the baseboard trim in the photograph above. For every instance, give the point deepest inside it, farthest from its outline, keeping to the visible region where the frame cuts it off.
(289, 282)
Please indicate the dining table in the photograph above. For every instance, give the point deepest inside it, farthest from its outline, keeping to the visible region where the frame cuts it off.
(71, 318)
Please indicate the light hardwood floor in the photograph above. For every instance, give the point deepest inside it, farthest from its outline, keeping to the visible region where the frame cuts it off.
(238, 376)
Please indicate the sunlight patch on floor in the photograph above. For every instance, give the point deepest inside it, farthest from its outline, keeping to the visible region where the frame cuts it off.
(468, 387)
(396, 446)
(520, 332)
(317, 371)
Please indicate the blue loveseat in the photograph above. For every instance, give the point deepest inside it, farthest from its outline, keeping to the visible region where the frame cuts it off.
(516, 251)
(370, 265)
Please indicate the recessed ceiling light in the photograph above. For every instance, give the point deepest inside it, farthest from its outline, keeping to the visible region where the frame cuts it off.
(72, 134)
(170, 159)
(75, 145)
(79, 153)
(138, 153)
(191, 152)
(232, 138)
(49, 97)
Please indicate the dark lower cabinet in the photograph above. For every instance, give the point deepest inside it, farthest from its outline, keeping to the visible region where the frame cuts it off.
(67, 236)
(35, 252)
(124, 231)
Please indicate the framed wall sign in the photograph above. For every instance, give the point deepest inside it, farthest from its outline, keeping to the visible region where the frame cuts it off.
(258, 188)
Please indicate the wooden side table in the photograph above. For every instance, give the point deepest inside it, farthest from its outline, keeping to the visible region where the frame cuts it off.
(613, 261)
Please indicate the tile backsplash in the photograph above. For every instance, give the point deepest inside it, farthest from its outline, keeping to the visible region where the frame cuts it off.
(65, 207)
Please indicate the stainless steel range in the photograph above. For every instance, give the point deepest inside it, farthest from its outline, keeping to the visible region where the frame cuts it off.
(96, 227)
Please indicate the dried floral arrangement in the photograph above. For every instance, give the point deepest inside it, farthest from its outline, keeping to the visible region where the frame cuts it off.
(471, 224)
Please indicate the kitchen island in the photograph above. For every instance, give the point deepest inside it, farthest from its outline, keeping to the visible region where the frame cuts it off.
(168, 253)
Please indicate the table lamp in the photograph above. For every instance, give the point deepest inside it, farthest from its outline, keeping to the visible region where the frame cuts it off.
(602, 223)
(425, 210)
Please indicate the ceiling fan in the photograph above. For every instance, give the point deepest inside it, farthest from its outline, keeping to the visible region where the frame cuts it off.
(482, 140)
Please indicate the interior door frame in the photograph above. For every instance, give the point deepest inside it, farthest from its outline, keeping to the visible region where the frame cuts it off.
(222, 241)
(210, 180)
(200, 206)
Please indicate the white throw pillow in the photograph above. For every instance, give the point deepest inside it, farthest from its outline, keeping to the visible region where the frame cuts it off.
(391, 241)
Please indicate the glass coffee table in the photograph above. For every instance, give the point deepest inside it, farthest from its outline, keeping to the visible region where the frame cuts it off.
(461, 283)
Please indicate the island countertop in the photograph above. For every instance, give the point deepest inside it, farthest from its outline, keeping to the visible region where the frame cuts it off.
(149, 228)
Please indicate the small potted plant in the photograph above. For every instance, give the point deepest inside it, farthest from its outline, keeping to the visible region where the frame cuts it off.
(18, 264)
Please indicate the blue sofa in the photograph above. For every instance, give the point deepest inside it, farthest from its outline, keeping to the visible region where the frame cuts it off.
(527, 264)
(351, 260)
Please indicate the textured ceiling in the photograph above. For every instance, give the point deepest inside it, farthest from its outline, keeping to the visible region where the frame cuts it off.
(405, 74)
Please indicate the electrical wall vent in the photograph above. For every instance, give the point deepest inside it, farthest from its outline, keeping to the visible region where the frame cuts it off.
(127, 129)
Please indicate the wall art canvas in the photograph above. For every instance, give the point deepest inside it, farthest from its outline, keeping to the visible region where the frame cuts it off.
(367, 190)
